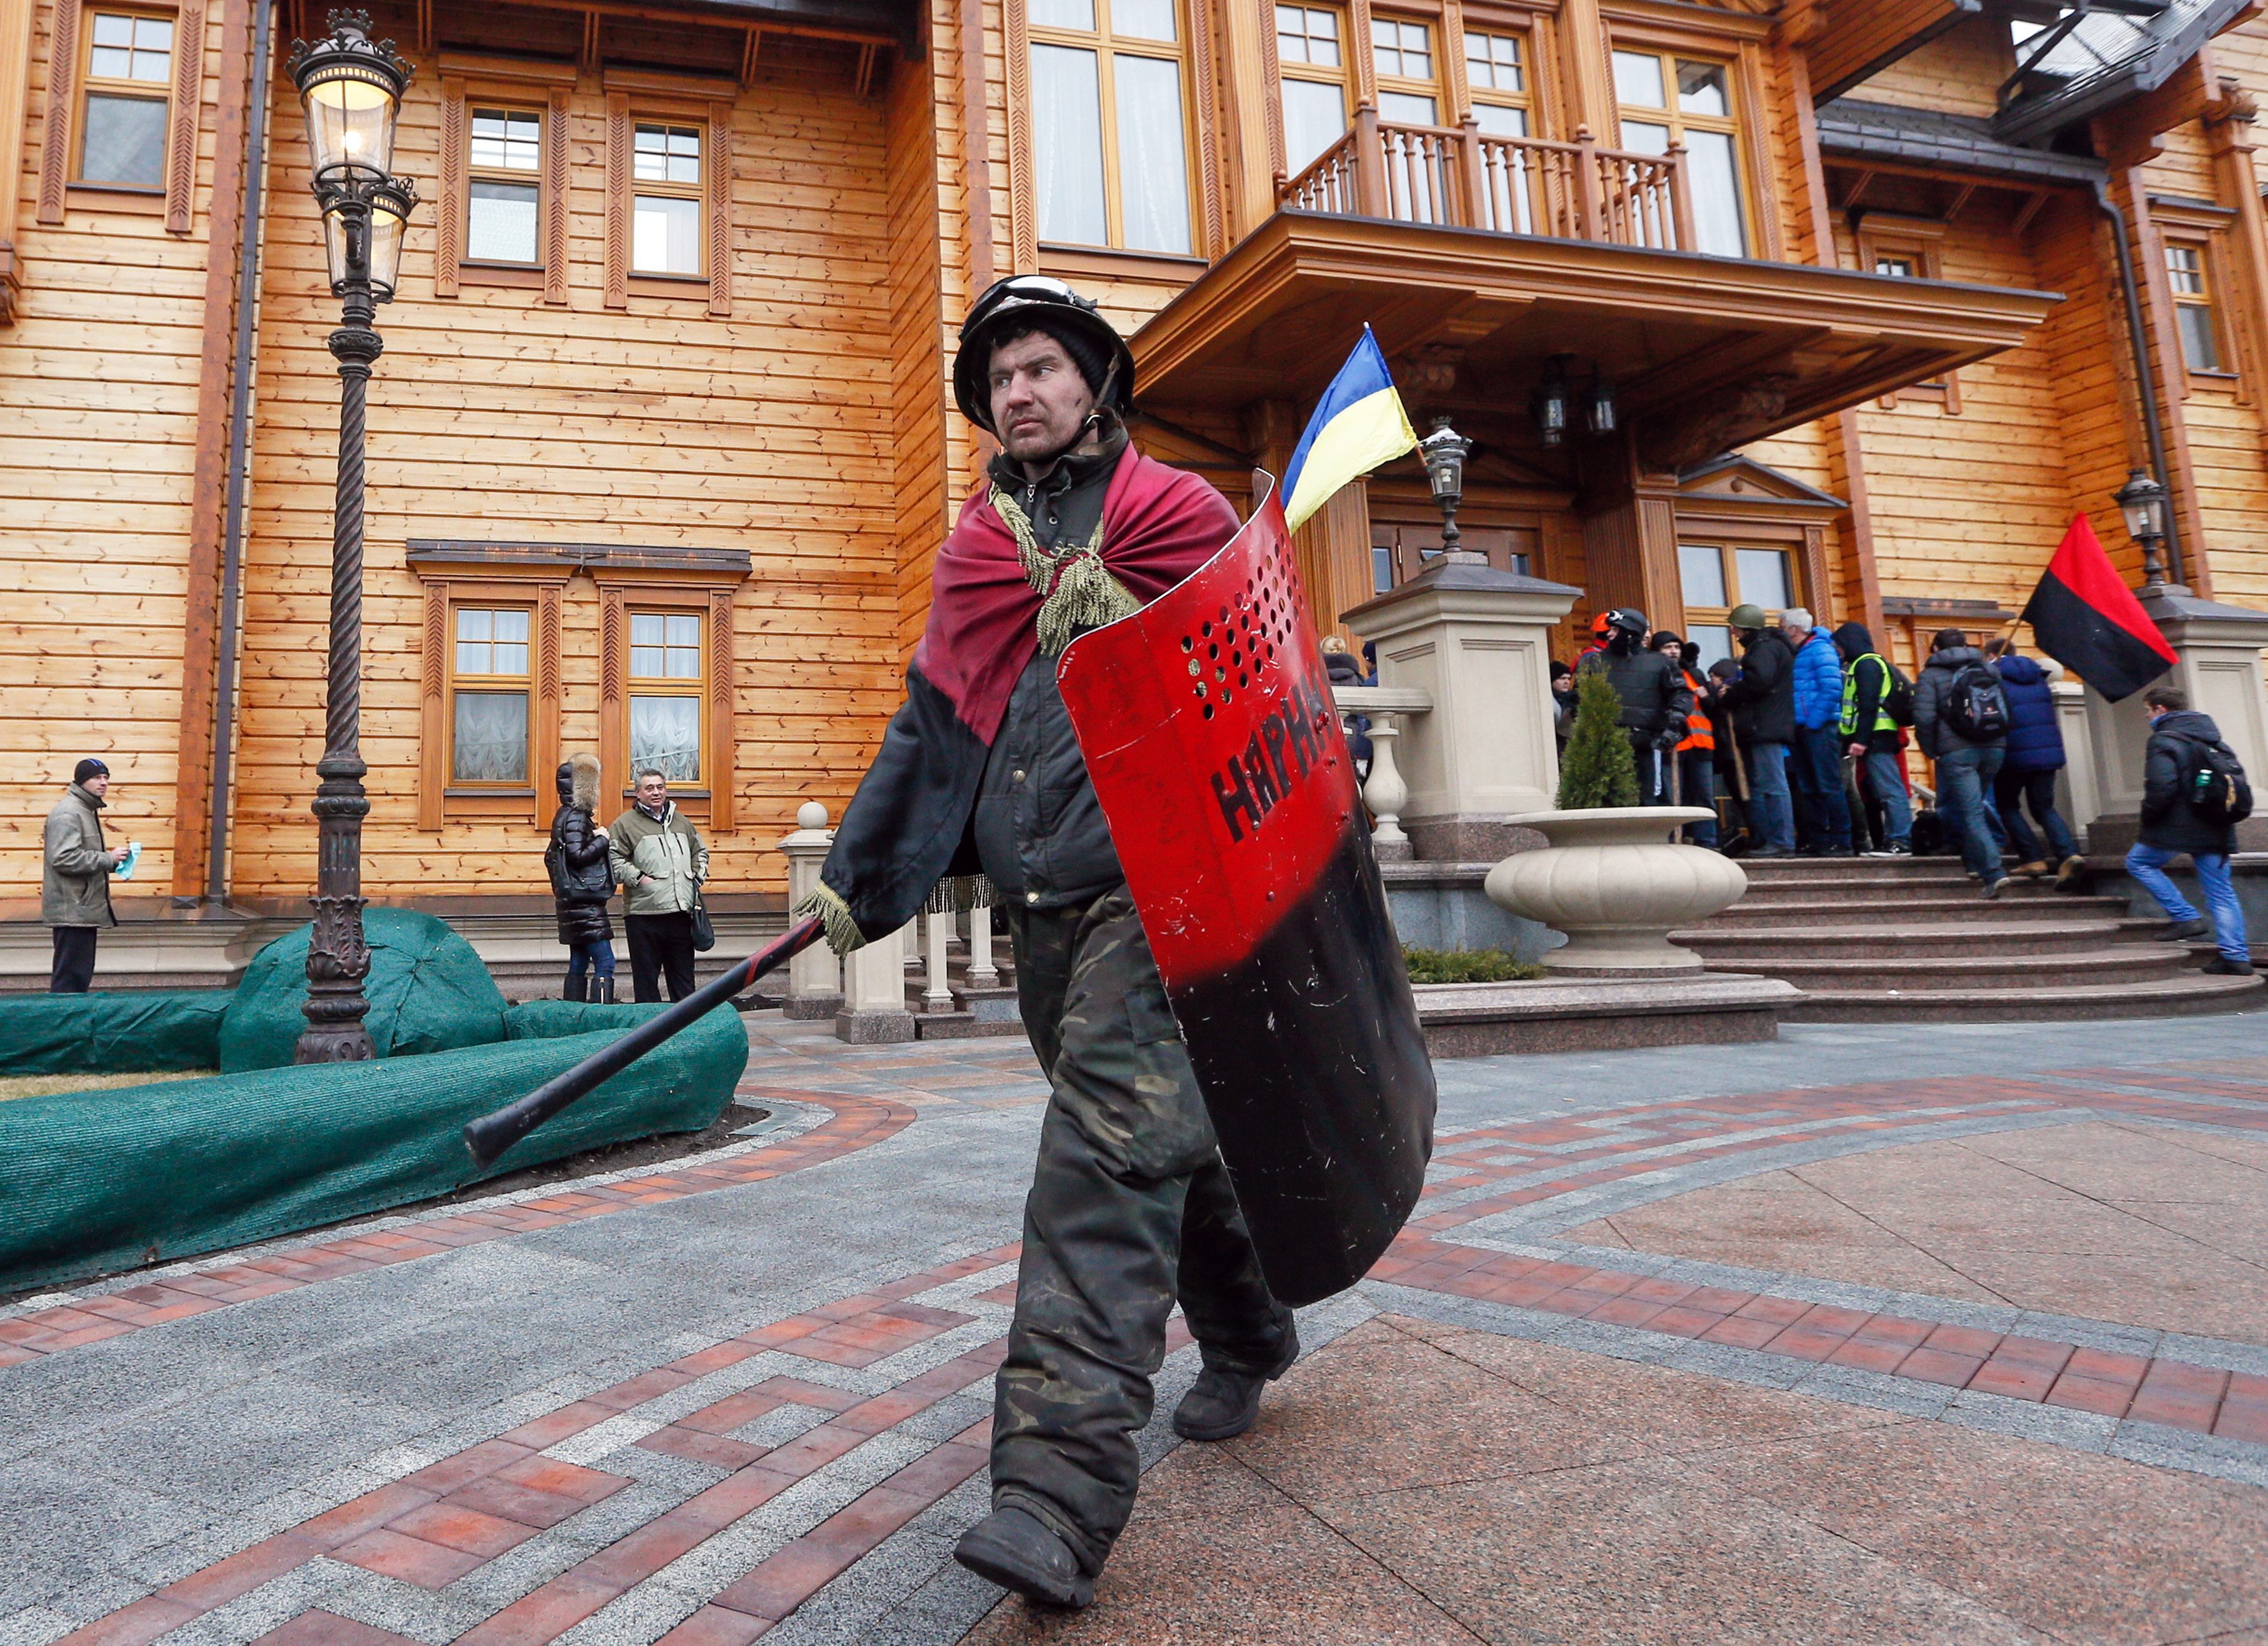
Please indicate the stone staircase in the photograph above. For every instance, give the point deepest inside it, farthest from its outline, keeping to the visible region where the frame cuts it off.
(974, 1012)
(1908, 940)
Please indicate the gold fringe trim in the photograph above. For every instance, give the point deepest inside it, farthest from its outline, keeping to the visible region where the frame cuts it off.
(842, 933)
(957, 894)
(1077, 590)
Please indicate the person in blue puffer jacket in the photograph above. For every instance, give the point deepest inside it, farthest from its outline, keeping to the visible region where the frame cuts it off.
(1822, 814)
(2028, 772)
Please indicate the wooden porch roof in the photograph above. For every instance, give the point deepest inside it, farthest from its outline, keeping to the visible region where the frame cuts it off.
(1705, 353)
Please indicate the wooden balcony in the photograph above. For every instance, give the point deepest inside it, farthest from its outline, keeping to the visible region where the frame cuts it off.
(1462, 178)
(1704, 353)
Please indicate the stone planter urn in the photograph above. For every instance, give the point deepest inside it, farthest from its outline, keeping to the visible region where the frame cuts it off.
(1618, 882)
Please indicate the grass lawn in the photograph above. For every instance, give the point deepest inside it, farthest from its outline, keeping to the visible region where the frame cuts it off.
(45, 1085)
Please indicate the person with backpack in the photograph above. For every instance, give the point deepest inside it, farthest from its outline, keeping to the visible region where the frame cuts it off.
(2027, 774)
(1876, 702)
(1822, 815)
(2194, 794)
(1960, 719)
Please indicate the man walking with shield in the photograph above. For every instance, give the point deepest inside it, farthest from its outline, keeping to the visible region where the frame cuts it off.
(1133, 1208)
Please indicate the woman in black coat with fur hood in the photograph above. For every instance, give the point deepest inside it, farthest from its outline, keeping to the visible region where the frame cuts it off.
(580, 884)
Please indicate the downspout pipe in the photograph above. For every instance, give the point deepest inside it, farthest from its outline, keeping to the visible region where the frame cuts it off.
(2152, 423)
(240, 441)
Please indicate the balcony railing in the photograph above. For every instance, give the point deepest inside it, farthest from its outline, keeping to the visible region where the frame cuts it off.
(1461, 177)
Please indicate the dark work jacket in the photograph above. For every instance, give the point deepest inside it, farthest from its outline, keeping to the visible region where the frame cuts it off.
(1038, 829)
(2169, 822)
(1763, 700)
(580, 882)
(1652, 688)
(2035, 741)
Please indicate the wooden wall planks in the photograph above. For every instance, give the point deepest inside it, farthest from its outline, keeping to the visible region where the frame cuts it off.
(495, 418)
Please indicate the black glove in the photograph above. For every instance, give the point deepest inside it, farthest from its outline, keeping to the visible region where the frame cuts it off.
(1667, 739)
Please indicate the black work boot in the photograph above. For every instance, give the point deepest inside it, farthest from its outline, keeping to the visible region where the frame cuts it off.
(2183, 930)
(1015, 1549)
(1222, 1403)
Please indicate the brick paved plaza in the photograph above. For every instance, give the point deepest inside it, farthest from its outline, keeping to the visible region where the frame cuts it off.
(1888, 1334)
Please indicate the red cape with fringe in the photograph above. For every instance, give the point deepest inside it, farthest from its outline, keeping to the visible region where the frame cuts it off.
(1159, 526)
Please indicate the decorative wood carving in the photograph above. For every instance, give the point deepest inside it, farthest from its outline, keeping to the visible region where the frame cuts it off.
(1023, 200)
(62, 92)
(1272, 94)
(1357, 51)
(1453, 78)
(1757, 128)
(614, 750)
(555, 196)
(1205, 94)
(1816, 589)
(977, 176)
(543, 751)
(449, 226)
(433, 744)
(719, 208)
(721, 739)
(181, 126)
(618, 203)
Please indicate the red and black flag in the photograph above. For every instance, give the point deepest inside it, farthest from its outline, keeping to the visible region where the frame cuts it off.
(2085, 617)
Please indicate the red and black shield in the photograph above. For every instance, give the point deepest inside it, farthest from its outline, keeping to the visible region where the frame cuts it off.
(1208, 726)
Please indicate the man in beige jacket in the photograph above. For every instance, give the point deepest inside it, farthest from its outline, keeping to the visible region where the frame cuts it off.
(658, 860)
(75, 878)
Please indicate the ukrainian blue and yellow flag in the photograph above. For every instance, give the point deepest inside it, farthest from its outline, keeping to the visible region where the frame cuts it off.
(1359, 425)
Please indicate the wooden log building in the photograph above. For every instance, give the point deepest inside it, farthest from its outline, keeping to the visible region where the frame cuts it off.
(1828, 292)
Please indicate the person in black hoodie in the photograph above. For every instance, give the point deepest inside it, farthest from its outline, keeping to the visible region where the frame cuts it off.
(1763, 702)
(580, 884)
(2173, 824)
(1870, 735)
(1654, 697)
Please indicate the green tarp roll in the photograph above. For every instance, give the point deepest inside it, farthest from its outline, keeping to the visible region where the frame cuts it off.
(428, 992)
(92, 1182)
(130, 1031)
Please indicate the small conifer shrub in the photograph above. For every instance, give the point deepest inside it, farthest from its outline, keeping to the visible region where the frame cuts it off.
(1598, 768)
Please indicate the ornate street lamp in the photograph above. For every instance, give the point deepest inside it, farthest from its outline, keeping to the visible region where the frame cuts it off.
(1445, 452)
(2143, 501)
(352, 89)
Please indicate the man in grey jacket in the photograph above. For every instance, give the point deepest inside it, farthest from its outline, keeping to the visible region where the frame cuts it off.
(75, 878)
(1966, 767)
(658, 858)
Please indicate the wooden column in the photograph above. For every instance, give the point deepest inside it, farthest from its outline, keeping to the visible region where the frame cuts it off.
(1845, 451)
(2229, 129)
(1590, 87)
(201, 638)
(15, 84)
(1248, 99)
(1630, 547)
(2172, 374)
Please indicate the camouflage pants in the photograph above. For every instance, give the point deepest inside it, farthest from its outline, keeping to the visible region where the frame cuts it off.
(1130, 1212)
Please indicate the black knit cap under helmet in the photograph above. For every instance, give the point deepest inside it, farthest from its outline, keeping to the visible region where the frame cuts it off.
(1040, 303)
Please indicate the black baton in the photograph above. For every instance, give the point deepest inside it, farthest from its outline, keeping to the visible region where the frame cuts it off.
(492, 1135)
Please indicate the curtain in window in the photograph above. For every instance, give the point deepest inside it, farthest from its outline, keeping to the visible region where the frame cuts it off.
(1713, 177)
(1154, 168)
(1067, 145)
(666, 734)
(1314, 118)
(490, 743)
